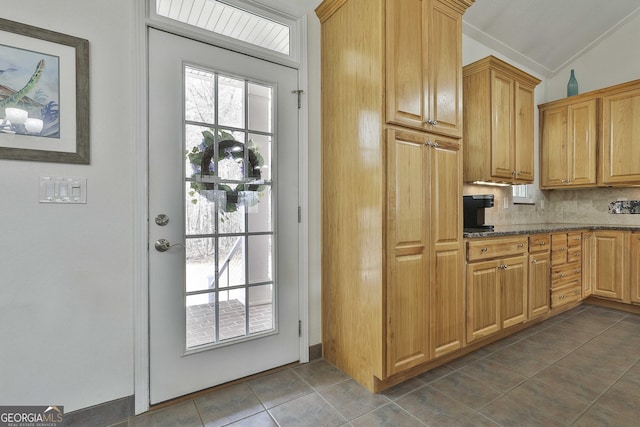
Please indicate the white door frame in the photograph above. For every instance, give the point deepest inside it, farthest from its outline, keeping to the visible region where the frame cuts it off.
(141, 210)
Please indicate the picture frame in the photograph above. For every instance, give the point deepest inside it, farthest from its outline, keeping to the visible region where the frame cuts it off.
(44, 89)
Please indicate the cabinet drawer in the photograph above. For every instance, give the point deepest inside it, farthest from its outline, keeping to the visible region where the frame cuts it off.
(574, 254)
(493, 248)
(565, 274)
(574, 239)
(540, 243)
(565, 295)
(558, 249)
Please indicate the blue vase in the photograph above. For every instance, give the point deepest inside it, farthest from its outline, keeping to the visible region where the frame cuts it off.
(572, 86)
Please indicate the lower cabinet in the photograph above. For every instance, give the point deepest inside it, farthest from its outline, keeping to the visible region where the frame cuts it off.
(539, 274)
(497, 290)
(634, 263)
(587, 263)
(609, 265)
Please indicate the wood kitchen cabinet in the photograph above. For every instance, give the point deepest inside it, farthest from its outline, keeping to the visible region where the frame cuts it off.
(609, 269)
(392, 251)
(634, 264)
(497, 273)
(566, 268)
(568, 143)
(621, 136)
(498, 122)
(587, 263)
(425, 283)
(424, 65)
(539, 275)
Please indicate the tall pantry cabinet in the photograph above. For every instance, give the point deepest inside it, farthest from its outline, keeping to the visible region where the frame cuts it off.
(392, 252)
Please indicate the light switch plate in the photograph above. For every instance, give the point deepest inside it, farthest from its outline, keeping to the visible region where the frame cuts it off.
(60, 189)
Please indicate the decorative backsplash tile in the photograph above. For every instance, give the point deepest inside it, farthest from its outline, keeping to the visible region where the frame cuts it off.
(625, 207)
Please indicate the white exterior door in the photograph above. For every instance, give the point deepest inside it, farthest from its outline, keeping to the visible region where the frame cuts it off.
(223, 226)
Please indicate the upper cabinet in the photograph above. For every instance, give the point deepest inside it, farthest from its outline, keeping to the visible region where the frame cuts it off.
(621, 136)
(568, 143)
(423, 80)
(498, 113)
(592, 139)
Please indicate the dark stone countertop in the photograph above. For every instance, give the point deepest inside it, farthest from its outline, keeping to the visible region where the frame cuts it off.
(511, 230)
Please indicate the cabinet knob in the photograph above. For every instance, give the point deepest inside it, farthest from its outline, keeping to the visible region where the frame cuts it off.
(519, 173)
(534, 261)
(576, 238)
(577, 291)
(561, 274)
(577, 270)
(576, 254)
(543, 243)
(561, 249)
(587, 237)
(561, 296)
(432, 122)
(520, 245)
(483, 250)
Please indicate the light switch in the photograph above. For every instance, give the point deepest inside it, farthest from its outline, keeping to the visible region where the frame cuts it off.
(58, 189)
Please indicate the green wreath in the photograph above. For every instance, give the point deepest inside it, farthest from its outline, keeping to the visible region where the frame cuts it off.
(201, 159)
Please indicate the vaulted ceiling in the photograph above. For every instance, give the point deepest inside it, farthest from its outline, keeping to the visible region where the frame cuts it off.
(545, 34)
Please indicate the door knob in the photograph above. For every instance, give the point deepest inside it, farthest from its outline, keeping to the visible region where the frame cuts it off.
(163, 245)
(162, 220)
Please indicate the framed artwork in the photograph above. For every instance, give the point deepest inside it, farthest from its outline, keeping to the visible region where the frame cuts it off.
(44, 95)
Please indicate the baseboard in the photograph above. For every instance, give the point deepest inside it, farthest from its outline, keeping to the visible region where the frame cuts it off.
(315, 351)
(104, 414)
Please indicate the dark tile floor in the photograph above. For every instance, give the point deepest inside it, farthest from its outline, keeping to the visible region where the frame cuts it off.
(581, 368)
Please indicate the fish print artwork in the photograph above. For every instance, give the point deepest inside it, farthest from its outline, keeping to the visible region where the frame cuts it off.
(29, 92)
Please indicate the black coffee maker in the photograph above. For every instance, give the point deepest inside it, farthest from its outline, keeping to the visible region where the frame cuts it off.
(473, 207)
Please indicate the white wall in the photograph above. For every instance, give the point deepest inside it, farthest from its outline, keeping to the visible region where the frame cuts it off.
(66, 316)
(614, 60)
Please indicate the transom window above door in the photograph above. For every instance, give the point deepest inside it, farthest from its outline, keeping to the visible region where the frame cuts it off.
(234, 20)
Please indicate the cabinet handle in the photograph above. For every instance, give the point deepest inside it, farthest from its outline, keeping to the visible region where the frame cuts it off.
(576, 238)
(587, 237)
(520, 245)
(576, 254)
(561, 296)
(519, 173)
(577, 291)
(561, 274)
(534, 261)
(577, 270)
(543, 243)
(483, 250)
(432, 122)
(561, 249)
(435, 145)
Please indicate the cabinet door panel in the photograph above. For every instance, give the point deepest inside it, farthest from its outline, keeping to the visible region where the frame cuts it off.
(408, 275)
(445, 84)
(608, 264)
(587, 264)
(483, 300)
(406, 75)
(621, 138)
(582, 142)
(524, 133)
(553, 148)
(539, 282)
(513, 291)
(634, 263)
(446, 302)
(502, 104)
(407, 314)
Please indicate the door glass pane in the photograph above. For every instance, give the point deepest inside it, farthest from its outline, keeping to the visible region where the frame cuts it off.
(200, 95)
(201, 319)
(260, 309)
(259, 253)
(231, 102)
(228, 208)
(200, 264)
(260, 108)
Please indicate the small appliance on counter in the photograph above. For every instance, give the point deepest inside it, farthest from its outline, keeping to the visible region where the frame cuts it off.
(473, 207)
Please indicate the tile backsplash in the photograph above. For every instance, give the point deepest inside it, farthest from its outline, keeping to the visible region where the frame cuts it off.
(586, 206)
